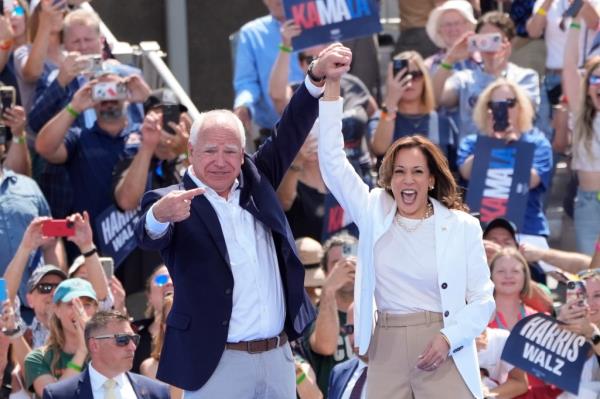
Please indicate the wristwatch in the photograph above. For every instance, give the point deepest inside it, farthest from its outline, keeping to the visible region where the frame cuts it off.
(311, 75)
(16, 332)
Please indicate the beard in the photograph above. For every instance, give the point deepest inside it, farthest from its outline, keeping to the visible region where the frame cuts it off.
(111, 113)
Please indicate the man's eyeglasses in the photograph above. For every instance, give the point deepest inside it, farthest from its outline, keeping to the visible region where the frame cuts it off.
(45, 288)
(510, 103)
(121, 339)
(348, 329)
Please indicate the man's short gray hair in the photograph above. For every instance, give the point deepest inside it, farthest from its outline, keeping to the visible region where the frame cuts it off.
(199, 123)
(82, 17)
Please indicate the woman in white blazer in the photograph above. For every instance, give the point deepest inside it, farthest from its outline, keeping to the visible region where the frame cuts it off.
(421, 262)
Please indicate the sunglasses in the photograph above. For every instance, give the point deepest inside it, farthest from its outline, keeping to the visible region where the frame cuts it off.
(347, 329)
(510, 103)
(161, 280)
(17, 11)
(121, 339)
(594, 80)
(588, 273)
(45, 288)
(415, 74)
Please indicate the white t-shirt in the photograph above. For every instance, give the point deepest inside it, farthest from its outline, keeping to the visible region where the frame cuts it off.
(489, 358)
(556, 38)
(405, 269)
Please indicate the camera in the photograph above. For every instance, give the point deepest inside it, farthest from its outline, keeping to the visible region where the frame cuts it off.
(500, 115)
(349, 249)
(93, 64)
(485, 42)
(108, 91)
(576, 290)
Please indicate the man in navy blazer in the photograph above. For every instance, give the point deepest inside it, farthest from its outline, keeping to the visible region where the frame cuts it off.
(239, 293)
(111, 344)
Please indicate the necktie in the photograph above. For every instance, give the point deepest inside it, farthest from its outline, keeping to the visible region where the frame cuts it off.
(358, 387)
(110, 389)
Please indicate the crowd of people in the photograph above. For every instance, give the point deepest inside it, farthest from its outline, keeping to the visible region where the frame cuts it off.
(313, 241)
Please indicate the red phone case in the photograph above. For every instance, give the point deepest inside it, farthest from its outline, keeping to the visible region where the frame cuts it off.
(58, 228)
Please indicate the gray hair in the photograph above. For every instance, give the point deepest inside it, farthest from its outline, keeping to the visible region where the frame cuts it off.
(83, 17)
(199, 123)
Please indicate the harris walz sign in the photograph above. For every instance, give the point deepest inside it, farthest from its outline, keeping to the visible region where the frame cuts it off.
(115, 233)
(325, 21)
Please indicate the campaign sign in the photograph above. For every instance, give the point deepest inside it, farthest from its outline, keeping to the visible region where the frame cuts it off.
(335, 220)
(499, 183)
(325, 21)
(538, 345)
(115, 233)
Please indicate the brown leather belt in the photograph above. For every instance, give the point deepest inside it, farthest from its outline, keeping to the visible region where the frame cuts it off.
(259, 345)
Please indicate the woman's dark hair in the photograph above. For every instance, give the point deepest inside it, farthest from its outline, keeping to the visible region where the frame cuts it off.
(500, 20)
(445, 189)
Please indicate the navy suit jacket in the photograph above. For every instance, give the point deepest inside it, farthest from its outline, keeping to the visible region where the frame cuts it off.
(340, 376)
(79, 386)
(195, 253)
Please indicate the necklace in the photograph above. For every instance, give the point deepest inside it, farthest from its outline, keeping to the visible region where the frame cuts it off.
(412, 229)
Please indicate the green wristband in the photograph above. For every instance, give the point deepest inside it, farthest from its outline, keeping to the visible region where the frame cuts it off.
(446, 66)
(575, 25)
(301, 378)
(71, 111)
(285, 48)
(73, 366)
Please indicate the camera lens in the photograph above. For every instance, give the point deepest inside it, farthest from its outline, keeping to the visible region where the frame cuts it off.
(571, 285)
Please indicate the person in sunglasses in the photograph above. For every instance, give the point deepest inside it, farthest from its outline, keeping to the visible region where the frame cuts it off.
(409, 109)
(519, 127)
(65, 352)
(111, 343)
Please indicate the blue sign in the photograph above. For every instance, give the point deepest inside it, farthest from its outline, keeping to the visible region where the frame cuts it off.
(335, 221)
(499, 184)
(115, 233)
(539, 346)
(325, 21)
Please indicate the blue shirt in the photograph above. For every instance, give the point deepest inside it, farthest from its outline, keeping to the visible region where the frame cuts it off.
(20, 202)
(92, 156)
(535, 222)
(256, 53)
(469, 84)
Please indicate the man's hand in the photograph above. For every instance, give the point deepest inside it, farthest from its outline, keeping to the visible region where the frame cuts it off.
(139, 91)
(175, 206)
(333, 62)
(33, 237)
(151, 131)
(83, 237)
(531, 252)
(244, 114)
(82, 99)
(342, 273)
(15, 119)
(71, 66)
(460, 50)
(118, 293)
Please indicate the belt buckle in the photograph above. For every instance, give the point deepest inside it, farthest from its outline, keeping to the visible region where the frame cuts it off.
(278, 341)
(252, 352)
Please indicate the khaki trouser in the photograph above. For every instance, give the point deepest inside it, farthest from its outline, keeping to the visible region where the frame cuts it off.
(396, 344)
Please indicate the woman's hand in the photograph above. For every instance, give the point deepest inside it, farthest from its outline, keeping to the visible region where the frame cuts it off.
(434, 354)
(83, 237)
(289, 30)
(81, 318)
(15, 119)
(118, 293)
(574, 314)
(396, 86)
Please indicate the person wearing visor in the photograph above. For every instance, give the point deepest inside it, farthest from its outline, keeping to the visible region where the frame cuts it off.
(90, 154)
(65, 352)
(111, 343)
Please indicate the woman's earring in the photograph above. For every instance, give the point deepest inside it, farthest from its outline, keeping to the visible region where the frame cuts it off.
(431, 187)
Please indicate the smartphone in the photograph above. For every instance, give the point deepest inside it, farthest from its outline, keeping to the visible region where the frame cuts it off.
(398, 65)
(3, 291)
(108, 264)
(170, 113)
(349, 250)
(1, 7)
(58, 228)
(109, 91)
(8, 97)
(576, 290)
(485, 42)
(500, 115)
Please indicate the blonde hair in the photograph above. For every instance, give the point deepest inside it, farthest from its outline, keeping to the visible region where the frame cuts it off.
(513, 253)
(583, 131)
(157, 342)
(427, 96)
(81, 17)
(526, 113)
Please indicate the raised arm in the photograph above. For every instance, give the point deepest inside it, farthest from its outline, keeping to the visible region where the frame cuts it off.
(571, 79)
(279, 88)
(537, 22)
(446, 95)
(17, 158)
